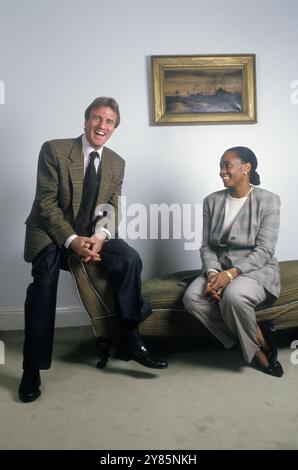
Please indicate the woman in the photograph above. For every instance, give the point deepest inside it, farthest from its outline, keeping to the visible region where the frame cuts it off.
(239, 270)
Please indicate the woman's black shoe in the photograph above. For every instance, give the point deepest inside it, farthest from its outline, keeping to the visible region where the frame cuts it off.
(268, 330)
(276, 370)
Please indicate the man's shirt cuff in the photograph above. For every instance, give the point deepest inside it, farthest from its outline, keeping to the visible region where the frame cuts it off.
(69, 240)
(108, 233)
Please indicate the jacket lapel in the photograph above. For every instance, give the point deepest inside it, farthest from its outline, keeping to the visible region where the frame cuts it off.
(219, 215)
(76, 174)
(105, 179)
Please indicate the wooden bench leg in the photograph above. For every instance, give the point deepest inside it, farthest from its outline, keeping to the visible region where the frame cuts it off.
(103, 345)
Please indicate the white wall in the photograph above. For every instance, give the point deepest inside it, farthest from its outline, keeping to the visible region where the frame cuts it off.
(57, 55)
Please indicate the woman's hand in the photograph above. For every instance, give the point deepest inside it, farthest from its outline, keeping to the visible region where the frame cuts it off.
(217, 282)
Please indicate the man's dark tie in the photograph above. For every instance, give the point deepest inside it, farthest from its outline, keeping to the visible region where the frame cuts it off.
(83, 222)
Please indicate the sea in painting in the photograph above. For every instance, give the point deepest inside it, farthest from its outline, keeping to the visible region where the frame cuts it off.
(203, 91)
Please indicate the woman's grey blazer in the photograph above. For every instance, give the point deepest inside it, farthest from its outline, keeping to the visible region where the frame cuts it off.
(249, 245)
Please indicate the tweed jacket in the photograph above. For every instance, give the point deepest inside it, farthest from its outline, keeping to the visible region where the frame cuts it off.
(250, 243)
(59, 189)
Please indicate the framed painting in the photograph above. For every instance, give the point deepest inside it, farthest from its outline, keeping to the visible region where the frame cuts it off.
(204, 89)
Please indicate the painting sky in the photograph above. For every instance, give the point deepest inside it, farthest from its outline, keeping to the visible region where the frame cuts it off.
(206, 82)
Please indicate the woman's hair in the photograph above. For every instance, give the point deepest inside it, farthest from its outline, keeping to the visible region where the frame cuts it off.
(247, 156)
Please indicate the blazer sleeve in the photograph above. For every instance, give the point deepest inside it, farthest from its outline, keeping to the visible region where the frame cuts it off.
(208, 254)
(265, 241)
(46, 208)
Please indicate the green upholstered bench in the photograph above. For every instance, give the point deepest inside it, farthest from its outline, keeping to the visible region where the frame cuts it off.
(164, 296)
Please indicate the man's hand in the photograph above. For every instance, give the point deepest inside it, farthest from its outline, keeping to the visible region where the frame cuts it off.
(85, 248)
(97, 243)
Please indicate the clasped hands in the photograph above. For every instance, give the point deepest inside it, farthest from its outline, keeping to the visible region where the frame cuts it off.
(88, 248)
(216, 284)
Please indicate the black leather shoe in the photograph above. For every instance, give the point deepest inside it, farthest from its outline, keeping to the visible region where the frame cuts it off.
(140, 354)
(275, 369)
(29, 386)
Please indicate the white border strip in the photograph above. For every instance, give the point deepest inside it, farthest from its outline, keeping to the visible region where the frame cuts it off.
(13, 318)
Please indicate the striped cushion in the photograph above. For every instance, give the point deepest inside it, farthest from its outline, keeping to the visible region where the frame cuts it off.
(165, 298)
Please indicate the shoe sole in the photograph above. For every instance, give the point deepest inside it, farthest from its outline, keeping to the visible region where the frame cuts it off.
(126, 358)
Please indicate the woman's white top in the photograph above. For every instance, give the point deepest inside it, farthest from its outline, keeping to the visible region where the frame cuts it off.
(232, 209)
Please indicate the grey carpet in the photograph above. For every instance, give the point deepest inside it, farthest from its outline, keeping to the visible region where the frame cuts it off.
(208, 398)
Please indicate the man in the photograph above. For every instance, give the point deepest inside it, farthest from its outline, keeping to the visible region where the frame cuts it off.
(74, 176)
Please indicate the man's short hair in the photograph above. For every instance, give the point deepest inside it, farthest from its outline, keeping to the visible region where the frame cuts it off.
(104, 101)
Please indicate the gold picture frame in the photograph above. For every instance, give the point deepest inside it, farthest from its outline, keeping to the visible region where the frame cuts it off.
(204, 89)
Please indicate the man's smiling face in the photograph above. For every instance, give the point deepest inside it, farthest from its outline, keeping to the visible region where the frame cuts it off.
(100, 126)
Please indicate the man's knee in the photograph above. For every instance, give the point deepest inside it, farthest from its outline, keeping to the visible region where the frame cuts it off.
(132, 254)
(130, 259)
(46, 266)
(45, 281)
